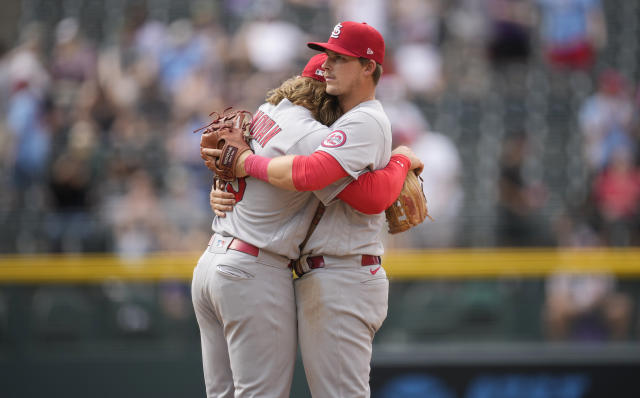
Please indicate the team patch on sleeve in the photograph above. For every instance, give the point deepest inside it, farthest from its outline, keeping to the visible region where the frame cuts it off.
(335, 139)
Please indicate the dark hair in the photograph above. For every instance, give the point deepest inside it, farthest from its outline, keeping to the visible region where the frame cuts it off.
(376, 73)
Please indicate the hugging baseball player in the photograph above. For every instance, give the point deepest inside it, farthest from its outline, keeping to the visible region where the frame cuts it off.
(342, 289)
(242, 287)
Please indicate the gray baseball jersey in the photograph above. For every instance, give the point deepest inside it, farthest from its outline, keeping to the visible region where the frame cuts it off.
(360, 141)
(341, 307)
(268, 217)
(245, 305)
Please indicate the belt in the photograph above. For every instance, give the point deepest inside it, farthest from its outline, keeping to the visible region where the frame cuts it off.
(318, 262)
(242, 246)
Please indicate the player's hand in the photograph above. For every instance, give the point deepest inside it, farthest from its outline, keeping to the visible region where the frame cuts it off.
(212, 155)
(209, 160)
(416, 163)
(221, 201)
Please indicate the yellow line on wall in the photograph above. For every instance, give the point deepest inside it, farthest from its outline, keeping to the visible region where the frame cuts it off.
(474, 263)
(96, 268)
(415, 264)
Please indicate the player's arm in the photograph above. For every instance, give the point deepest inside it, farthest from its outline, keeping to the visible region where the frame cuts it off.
(279, 171)
(375, 191)
(371, 193)
(316, 171)
(295, 172)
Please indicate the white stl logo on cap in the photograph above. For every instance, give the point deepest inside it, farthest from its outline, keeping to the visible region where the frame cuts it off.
(335, 139)
(336, 31)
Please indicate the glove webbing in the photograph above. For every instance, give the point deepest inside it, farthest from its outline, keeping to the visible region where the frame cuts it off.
(226, 116)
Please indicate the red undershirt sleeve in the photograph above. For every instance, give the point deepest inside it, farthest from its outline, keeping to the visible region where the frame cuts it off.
(371, 193)
(374, 192)
(315, 172)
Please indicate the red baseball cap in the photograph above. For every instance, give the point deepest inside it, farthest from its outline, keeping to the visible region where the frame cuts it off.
(314, 68)
(356, 39)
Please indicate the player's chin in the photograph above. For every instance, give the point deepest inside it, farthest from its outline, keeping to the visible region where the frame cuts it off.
(332, 88)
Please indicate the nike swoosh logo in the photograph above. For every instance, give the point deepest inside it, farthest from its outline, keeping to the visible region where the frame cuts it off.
(373, 271)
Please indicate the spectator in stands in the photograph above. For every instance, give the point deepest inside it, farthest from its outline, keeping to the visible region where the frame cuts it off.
(265, 43)
(188, 221)
(69, 225)
(636, 126)
(5, 85)
(137, 217)
(509, 31)
(202, 90)
(27, 114)
(420, 65)
(605, 119)
(28, 107)
(581, 306)
(586, 307)
(416, 57)
(443, 190)
(73, 62)
(374, 12)
(183, 56)
(519, 222)
(572, 32)
(616, 192)
(442, 170)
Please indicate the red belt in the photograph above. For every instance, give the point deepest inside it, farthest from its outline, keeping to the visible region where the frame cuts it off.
(318, 262)
(242, 246)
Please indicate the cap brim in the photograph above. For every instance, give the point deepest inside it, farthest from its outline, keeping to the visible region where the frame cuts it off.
(332, 47)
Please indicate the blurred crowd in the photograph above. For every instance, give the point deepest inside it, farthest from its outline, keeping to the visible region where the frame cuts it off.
(97, 150)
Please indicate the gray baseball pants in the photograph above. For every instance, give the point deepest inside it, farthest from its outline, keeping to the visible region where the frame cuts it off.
(245, 309)
(340, 308)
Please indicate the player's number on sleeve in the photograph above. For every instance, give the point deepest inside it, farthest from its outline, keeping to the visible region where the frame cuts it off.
(237, 188)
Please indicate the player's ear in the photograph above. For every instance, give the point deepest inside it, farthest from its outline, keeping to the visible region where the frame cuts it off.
(369, 67)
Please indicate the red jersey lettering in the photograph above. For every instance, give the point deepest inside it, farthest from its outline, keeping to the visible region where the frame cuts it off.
(238, 192)
(269, 136)
(258, 125)
(263, 129)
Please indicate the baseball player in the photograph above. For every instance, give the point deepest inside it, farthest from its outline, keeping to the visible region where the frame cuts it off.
(242, 287)
(342, 295)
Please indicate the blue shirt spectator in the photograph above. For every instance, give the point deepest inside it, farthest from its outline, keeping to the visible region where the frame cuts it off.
(25, 120)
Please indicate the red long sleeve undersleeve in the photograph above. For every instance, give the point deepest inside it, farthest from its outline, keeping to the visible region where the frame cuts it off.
(315, 172)
(373, 192)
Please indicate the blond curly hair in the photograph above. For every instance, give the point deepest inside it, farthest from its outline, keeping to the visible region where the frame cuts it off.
(308, 93)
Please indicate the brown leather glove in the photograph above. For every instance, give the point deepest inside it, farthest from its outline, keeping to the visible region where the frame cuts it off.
(410, 209)
(228, 132)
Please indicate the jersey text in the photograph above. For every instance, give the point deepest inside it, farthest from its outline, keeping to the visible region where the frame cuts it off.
(263, 128)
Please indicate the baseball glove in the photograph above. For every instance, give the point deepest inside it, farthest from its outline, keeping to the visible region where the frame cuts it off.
(410, 209)
(229, 132)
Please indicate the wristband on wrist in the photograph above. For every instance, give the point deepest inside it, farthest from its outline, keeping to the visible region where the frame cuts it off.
(256, 166)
